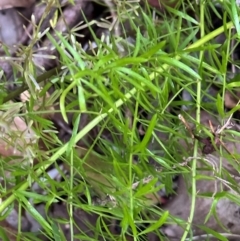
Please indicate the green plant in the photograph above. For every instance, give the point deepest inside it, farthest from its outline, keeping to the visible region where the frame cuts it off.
(165, 59)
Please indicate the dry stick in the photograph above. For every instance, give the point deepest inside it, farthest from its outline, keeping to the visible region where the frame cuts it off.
(225, 126)
(101, 117)
(181, 118)
(47, 75)
(218, 132)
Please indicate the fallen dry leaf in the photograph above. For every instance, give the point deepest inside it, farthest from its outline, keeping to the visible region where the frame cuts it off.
(4, 4)
(231, 99)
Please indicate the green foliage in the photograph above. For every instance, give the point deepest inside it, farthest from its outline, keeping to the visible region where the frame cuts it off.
(112, 88)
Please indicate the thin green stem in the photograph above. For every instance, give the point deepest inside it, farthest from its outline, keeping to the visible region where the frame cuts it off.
(71, 197)
(224, 67)
(195, 152)
(133, 133)
(19, 220)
